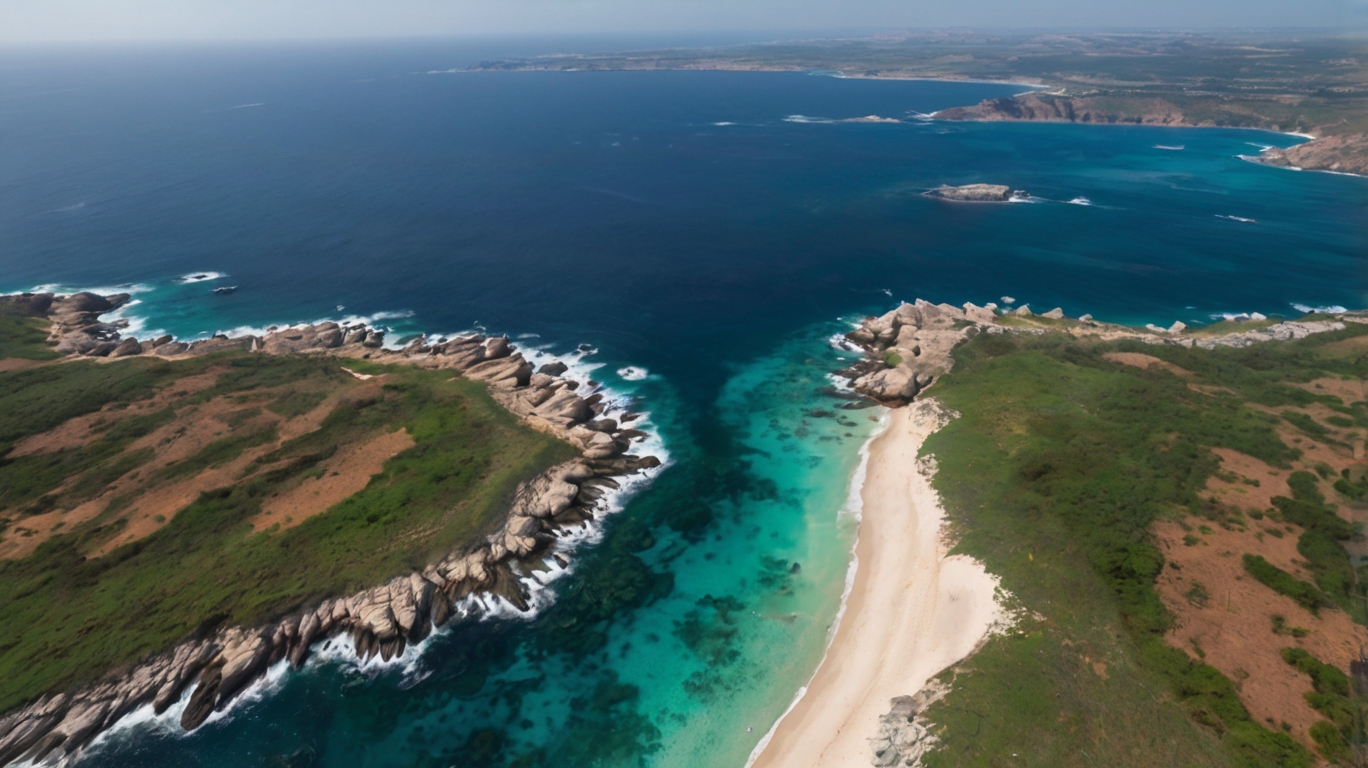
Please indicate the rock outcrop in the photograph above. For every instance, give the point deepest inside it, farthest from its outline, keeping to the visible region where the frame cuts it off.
(910, 347)
(381, 621)
(903, 736)
(975, 193)
(76, 326)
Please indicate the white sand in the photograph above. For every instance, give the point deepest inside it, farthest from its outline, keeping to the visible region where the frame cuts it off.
(911, 611)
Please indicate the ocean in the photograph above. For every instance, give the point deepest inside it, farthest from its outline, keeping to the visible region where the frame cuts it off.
(705, 234)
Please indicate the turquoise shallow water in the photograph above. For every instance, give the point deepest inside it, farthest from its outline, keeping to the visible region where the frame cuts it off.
(679, 640)
(683, 222)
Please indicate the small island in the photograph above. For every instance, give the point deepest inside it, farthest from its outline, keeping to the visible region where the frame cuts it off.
(976, 193)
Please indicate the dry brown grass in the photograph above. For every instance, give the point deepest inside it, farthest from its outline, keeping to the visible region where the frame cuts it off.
(1141, 360)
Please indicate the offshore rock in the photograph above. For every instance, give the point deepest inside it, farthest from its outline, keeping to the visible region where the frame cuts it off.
(973, 193)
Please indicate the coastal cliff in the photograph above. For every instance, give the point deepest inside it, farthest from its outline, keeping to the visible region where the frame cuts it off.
(1328, 149)
(381, 621)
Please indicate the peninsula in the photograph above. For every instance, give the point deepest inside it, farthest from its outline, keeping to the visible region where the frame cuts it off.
(246, 498)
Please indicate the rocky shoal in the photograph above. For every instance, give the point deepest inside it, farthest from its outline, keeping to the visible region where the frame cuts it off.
(381, 621)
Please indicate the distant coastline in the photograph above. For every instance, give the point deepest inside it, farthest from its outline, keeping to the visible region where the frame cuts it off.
(1087, 79)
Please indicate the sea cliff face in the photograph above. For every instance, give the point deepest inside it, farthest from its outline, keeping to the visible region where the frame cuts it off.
(381, 621)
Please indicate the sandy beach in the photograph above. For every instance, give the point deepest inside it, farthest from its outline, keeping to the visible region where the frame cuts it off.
(911, 611)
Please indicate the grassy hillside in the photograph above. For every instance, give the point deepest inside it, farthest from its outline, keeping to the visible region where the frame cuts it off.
(92, 451)
(1057, 473)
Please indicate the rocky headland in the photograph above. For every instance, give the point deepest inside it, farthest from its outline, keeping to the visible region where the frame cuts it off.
(1054, 108)
(1341, 154)
(907, 349)
(381, 621)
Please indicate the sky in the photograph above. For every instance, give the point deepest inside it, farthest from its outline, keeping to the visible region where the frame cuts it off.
(23, 21)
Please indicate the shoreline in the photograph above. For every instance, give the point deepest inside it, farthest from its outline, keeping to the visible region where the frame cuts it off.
(878, 657)
(895, 631)
(854, 507)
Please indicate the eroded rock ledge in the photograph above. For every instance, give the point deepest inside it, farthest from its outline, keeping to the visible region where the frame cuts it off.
(381, 621)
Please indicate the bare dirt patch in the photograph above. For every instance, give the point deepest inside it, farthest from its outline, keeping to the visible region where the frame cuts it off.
(82, 430)
(155, 508)
(1347, 390)
(1141, 360)
(1230, 619)
(1226, 617)
(1241, 491)
(143, 504)
(16, 364)
(346, 473)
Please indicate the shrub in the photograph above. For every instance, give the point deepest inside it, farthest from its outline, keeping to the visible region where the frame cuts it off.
(1282, 582)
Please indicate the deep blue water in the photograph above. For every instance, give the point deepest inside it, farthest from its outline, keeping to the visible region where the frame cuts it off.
(676, 221)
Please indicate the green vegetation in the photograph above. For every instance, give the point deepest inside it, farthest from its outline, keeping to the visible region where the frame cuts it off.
(1053, 476)
(1355, 489)
(1280, 627)
(1306, 424)
(34, 400)
(218, 453)
(1222, 327)
(892, 359)
(1334, 697)
(1319, 543)
(23, 336)
(1197, 595)
(1284, 583)
(70, 616)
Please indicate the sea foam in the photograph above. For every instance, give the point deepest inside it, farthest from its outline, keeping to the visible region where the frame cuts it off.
(1328, 309)
(200, 277)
